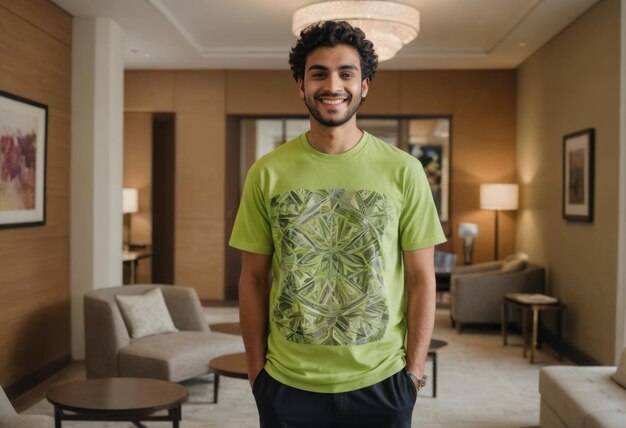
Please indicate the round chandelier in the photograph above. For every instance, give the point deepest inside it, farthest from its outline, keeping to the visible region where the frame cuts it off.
(388, 25)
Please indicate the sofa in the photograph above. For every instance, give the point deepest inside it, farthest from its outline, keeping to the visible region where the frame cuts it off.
(177, 356)
(477, 290)
(10, 419)
(581, 397)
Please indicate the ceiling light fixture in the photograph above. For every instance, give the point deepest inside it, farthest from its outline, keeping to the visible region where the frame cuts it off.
(388, 25)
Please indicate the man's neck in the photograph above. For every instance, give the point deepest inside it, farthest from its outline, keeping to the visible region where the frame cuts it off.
(334, 140)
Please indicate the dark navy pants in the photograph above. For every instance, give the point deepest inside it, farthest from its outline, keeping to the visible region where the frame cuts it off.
(387, 404)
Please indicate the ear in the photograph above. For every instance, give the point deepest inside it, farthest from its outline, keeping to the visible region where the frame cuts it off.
(365, 87)
(301, 87)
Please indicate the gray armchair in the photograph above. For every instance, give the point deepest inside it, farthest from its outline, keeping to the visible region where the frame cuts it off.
(477, 290)
(110, 351)
(10, 419)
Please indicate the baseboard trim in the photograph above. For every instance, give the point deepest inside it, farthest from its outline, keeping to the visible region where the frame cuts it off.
(38, 376)
(570, 351)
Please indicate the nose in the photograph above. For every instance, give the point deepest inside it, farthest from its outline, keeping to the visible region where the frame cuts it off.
(335, 84)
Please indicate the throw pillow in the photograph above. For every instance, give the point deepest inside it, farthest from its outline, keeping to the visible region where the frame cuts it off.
(513, 266)
(517, 256)
(145, 315)
(620, 374)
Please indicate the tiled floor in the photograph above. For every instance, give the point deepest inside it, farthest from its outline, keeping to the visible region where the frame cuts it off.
(481, 385)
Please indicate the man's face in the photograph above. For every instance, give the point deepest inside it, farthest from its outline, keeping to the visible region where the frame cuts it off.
(332, 88)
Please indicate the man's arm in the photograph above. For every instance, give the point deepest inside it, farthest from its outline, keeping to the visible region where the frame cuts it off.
(254, 288)
(419, 273)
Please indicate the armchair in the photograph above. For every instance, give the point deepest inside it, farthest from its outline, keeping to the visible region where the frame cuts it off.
(10, 419)
(110, 351)
(477, 290)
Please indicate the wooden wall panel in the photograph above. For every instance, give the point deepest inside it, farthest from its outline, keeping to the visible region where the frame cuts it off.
(272, 92)
(199, 101)
(381, 98)
(149, 91)
(43, 15)
(482, 104)
(34, 286)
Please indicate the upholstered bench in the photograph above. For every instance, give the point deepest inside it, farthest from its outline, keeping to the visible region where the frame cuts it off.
(581, 397)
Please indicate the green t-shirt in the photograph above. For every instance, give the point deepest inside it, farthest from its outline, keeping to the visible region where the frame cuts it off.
(336, 226)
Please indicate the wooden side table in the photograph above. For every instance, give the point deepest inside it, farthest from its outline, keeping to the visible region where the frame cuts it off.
(132, 259)
(535, 309)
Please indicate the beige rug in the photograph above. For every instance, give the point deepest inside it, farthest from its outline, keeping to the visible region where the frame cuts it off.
(481, 385)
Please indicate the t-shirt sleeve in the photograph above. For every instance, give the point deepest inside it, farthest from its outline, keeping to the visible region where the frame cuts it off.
(252, 230)
(419, 222)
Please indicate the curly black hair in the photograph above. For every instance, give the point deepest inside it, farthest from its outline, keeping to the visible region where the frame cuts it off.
(332, 33)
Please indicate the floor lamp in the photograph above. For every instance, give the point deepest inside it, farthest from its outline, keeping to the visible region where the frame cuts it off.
(498, 197)
(130, 205)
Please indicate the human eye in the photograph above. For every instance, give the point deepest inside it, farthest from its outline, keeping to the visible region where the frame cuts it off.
(318, 75)
(347, 75)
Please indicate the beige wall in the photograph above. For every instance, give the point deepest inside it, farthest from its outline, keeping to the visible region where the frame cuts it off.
(35, 47)
(572, 83)
(482, 104)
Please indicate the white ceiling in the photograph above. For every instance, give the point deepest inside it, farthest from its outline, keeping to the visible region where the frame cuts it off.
(256, 34)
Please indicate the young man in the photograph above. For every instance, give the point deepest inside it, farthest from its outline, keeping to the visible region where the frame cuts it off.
(337, 228)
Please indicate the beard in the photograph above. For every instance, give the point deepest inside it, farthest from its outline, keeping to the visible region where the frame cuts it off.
(332, 120)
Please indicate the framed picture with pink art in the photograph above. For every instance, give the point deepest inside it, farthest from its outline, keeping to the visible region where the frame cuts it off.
(578, 175)
(23, 138)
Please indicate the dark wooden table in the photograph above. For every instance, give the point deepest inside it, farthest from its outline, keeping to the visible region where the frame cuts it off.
(535, 309)
(230, 365)
(226, 327)
(117, 399)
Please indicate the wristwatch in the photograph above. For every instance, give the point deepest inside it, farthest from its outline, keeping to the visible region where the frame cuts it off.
(419, 382)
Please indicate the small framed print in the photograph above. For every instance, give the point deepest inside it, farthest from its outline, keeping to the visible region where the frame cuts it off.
(23, 136)
(578, 175)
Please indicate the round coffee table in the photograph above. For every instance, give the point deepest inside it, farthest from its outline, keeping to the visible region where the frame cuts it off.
(117, 399)
(226, 327)
(230, 365)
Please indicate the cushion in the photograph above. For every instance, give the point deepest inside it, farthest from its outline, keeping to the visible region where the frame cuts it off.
(513, 266)
(176, 357)
(520, 255)
(620, 374)
(576, 393)
(146, 314)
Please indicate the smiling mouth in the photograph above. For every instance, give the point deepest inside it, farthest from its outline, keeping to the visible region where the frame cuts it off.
(332, 102)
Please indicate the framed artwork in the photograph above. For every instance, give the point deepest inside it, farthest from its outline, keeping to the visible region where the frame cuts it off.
(23, 137)
(578, 175)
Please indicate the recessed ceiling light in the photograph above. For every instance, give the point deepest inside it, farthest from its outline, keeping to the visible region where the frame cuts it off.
(147, 54)
(522, 45)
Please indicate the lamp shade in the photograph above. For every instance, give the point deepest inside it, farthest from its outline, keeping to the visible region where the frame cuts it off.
(131, 199)
(502, 197)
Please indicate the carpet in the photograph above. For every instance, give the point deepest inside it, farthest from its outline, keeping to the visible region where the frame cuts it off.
(482, 384)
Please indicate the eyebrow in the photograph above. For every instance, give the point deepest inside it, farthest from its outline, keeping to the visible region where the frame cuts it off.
(324, 68)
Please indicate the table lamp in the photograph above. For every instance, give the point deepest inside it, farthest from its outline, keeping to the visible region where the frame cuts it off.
(498, 197)
(468, 231)
(130, 205)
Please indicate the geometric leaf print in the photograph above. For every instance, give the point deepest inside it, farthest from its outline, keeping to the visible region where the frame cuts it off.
(329, 243)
